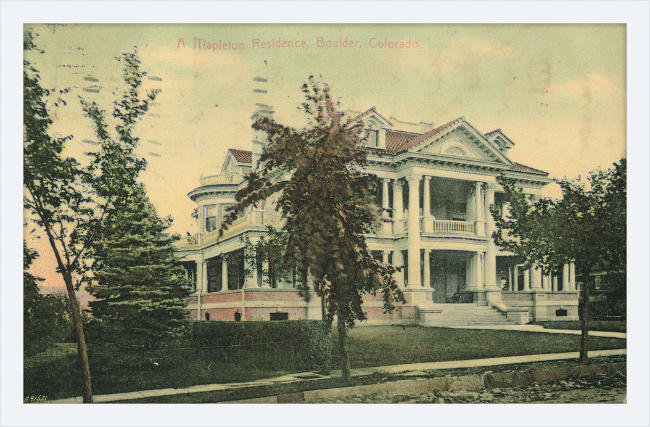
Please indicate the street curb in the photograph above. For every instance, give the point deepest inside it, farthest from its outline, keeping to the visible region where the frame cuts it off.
(448, 383)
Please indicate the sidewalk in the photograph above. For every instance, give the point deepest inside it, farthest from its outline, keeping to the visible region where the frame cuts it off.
(310, 376)
(539, 328)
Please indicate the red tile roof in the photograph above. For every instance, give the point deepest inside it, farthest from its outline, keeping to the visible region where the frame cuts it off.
(396, 140)
(242, 155)
(405, 143)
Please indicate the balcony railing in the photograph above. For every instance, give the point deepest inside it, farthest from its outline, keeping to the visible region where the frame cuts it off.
(251, 219)
(453, 227)
(230, 178)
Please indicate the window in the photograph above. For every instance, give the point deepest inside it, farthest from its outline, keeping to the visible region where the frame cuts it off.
(214, 274)
(561, 312)
(455, 151)
(207, 316)
(279, 316)
(210, 215)
(372, 138)
(236, 270)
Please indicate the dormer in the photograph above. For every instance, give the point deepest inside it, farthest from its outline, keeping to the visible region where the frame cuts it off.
(237, 162)
(375, 127)
(500, 140)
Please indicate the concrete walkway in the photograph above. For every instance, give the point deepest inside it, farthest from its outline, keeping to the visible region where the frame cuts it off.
(413, 368)
(539, 328)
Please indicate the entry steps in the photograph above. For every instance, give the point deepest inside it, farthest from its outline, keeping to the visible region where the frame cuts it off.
(471, 314)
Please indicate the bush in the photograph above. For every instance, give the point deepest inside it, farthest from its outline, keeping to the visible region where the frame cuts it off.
(306, 343)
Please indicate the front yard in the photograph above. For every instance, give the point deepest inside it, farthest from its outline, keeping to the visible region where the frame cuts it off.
(369, 346)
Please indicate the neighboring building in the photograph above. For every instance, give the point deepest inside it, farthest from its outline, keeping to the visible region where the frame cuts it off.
(439, 183)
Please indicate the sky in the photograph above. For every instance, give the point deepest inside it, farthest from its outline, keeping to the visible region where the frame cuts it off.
(558, 91)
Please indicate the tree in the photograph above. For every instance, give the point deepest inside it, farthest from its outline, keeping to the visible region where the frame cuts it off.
(138, 282)
(46, 318)
(55, 195)
(586, 226)
(327, 203)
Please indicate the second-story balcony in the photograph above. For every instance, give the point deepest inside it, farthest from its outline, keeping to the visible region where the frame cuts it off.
(221, 179)
(252, 220)
(433, 226)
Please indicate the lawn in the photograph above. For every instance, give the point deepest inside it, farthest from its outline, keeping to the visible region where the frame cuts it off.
(395, 345)
(594, 325)
(369, 346)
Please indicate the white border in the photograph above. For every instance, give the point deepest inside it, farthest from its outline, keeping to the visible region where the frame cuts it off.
(635, 14)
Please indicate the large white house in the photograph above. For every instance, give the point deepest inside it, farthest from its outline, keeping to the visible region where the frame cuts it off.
(439, 182)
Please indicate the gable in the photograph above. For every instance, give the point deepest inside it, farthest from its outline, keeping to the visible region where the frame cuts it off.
(463, 141)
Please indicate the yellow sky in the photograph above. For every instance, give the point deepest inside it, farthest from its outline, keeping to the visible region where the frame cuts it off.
(558, 91)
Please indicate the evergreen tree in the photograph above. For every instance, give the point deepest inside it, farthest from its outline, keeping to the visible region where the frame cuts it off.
(139, 285)
(327, 203)
(587, 226)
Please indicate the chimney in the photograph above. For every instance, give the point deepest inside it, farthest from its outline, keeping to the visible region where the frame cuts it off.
(262, 110)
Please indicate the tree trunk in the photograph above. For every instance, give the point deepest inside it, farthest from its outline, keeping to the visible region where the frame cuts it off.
(343, 348)
(76, 321)
(323, 308)
(584, 302)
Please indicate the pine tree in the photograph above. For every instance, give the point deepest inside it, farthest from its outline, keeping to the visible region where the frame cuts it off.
(139, 284)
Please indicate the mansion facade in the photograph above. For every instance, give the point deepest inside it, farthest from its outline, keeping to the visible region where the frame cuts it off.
(438, 185)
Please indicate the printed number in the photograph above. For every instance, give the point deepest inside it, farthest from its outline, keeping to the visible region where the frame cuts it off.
(30, 399)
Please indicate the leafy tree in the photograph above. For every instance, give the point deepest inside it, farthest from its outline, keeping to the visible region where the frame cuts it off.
(138, 282)
(586, 226)
(46, 318)
(327, 203)
(55, 198)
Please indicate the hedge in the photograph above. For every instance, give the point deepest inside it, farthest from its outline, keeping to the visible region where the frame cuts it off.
(305, 343)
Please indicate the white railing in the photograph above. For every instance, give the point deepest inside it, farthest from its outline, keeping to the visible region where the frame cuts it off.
(230, 178)
(453, 227)
(251, 219)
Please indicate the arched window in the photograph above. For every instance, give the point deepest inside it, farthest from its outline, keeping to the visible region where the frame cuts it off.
(455, 151)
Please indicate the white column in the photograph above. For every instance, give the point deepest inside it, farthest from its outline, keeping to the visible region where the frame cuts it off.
(554, 286)
(527, 280)
(199, 275)
(414, 230)
(398, 207)
(478, 271)
(427, 270)
(479, 222)
(490, 255)
(398, 261)
(515, 274)
(385, 226)
(536, 278)
(224, 273)
(385, 257)
(510, 280)
(565, 277)
(572, 276)
(428, 220)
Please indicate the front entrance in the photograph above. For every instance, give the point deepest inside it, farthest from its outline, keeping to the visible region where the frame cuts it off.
(448, 275)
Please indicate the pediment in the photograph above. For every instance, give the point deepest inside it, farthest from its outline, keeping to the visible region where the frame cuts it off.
(462, 141)
(376, 122)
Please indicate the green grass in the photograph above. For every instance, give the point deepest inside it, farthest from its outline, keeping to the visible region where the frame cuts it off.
(594, 325)
(396, 345)
(369, 346)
